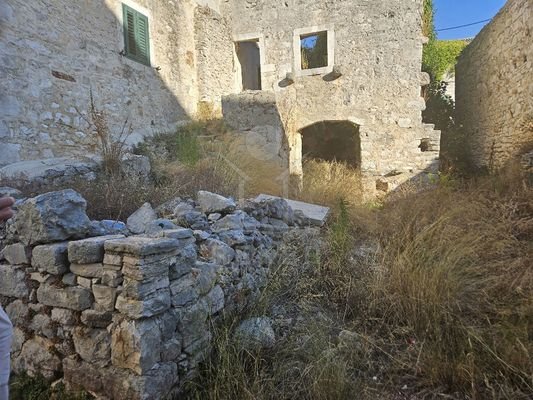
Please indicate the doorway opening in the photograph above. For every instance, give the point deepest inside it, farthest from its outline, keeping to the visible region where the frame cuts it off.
(249, 56)
(332, 141)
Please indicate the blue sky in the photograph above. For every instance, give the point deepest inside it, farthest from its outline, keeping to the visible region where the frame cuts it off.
(451, 13)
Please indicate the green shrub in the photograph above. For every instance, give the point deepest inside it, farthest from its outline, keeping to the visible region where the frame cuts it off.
(24, 387)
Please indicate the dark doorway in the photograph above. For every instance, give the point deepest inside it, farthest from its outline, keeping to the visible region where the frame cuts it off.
(249, 57)
(332, 141)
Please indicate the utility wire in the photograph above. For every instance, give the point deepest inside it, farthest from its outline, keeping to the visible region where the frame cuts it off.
(462, 26)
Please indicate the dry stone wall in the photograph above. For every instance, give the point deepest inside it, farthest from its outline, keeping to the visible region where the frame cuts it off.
(129, 316)
(494, 86)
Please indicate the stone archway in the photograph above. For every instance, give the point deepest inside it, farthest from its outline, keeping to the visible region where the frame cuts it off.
(332, 141)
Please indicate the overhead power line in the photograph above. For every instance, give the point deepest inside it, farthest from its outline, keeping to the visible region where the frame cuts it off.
(462, 26)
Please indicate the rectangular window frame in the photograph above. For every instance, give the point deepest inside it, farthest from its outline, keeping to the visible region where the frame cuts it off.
(298, 33)
(140, 29)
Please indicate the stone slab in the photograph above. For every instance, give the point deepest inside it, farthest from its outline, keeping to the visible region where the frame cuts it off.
(316, 214)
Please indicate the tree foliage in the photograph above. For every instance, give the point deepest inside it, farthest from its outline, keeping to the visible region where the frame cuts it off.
(440, 57)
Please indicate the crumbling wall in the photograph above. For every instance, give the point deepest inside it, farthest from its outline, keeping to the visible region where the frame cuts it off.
(494, 86)
(375, 83)
(129, 316)
(53, 53)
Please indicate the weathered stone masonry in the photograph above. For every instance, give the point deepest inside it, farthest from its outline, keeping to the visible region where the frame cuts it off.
(130, 317)
(494, 89)
(53, 53)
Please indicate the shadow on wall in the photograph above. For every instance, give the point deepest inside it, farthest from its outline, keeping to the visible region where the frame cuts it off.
(53, 53)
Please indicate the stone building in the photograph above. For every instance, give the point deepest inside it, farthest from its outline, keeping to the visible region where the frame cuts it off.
(494, 88)
(333, 79)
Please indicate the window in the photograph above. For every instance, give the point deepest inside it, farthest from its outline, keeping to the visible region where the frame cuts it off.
(314, 50)
(136, 35)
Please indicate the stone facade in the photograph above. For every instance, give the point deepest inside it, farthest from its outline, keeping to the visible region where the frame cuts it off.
(129, 316)
(54, 53)
(494, 89)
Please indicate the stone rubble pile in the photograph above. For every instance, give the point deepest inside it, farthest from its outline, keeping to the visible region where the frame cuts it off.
(125, 312)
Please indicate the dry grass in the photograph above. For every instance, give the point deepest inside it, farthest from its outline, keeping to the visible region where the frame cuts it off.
(441, 308)
(329, 182)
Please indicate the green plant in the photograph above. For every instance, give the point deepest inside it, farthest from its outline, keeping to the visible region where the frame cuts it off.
(24, 387)
(440, 57)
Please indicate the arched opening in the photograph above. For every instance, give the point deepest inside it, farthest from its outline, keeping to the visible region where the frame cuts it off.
(332, 141)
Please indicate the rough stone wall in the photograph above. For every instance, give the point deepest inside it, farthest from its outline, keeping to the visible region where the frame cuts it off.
(494, 86)
(53, 52)
(214, 49)
(378, 50)
(129, 316)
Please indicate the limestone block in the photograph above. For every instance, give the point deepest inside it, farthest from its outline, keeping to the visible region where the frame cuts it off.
(50, 217)
(112, 278)
(185, 260)
(153, 304)
(120, 384)
(18, 340)
(192, 322)
(93, 345)
(42, 325)
(138, 221)
(18, 313)
(171, 350)
(234, 238)
(84, 282)
(89, 251)
(70, 279)
(153, 228)
(206, 276)
(213, 203)
(200, 235)
(105, 296)
(73, 298)
(146, 268)
(17, 254)
(63, 316)
(183, 291)
(96, 318)
(139, 290)
(180, 233)
(13, 282)
(88, 270)
(141, 246)
(136, 345)
(112, 259)
(40, 277)
(51, 258)
(215, 300)
(38, 357)
(216, 251)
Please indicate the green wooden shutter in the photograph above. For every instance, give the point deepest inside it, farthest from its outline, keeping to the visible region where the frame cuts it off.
(142, 39)
(136, 35)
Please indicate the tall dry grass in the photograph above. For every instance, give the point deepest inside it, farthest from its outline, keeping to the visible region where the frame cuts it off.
(434, 301)
(328, 183)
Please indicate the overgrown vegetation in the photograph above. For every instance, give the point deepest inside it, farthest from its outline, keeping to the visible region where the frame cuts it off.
(24, 387)
(430, 297)
(439, 58)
